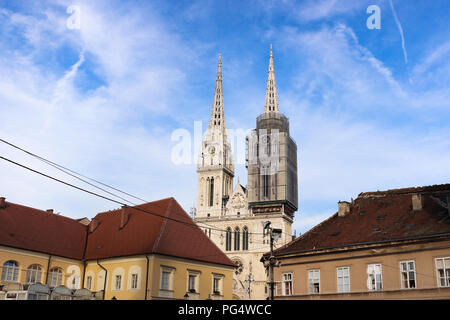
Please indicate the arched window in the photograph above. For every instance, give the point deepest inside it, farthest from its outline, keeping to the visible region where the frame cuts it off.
(228, 240)
(211, 192)
(237, 239)
(34, 273)
(10, 271)
(245, 238)
(55, 277)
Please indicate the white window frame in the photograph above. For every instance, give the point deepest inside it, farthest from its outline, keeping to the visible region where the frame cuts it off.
(193, 274)
(134, 281)
(10, 273)
(89, 282)
(118, 285)
(55, 278)
(285, 281)
(446, 268)
(373, 266)
(34, 273)
(402, 271)
(311, 278)
(345, 287)
(170, 271)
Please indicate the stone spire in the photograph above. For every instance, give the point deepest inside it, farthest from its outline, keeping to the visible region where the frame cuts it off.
(271, 104)
(217, 113)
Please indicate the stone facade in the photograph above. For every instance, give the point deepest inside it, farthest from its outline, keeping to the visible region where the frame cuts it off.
(232, 217)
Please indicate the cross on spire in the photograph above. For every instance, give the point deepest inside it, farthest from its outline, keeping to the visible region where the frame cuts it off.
(271, 104)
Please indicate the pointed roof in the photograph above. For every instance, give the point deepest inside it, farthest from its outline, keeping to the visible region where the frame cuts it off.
(271, 103)
(217, 120)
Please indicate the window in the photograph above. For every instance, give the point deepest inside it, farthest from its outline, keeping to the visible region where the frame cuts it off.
(34, 273)
(167, 278)
(89, 282)
(216, 286)
(228, 240)
(134, 281)
(266, 186)
(287, 284)
(314, 281)
(236, 239)
(245, 238)
(408, 274)
(211, 191)
(343, 279)
(374, 278)
(10, 271)
(55, 277)
(118, 282)
(443, 271)
(191, 283)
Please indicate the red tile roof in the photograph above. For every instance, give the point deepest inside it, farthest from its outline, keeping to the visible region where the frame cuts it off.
(36, 230)
(144, 233)
(377, 217)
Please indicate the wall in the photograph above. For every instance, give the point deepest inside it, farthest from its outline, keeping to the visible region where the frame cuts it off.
(423, 254)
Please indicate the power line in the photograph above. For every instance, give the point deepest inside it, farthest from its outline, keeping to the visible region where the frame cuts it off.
(101, 196)
(73, 173)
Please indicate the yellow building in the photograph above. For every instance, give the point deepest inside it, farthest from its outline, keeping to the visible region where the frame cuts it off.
(391, 244)
(151, 251)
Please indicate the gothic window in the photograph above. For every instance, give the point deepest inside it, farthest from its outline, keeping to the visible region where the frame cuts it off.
(245, 238)
(237, 236)
(266, 186)
(211, 192)
(228, 240)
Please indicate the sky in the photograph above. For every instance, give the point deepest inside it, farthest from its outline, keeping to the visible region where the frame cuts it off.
(100, 87)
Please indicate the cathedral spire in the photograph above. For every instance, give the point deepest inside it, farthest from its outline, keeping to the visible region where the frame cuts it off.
(271, 104)
(217, 113)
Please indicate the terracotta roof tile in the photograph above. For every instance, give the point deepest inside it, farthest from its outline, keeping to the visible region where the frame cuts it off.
(144, 233)
(36, 230)
(380, 216)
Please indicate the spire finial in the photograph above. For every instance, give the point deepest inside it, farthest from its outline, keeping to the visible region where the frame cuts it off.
(271, 104)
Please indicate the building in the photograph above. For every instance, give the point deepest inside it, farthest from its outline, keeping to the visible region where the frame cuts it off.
(392, 244)
(232, 215)
(150, 251)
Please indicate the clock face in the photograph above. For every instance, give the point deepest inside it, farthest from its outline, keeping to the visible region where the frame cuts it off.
(212, 150)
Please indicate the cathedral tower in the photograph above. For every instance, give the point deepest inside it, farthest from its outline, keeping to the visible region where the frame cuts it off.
(272, 158)
(215, 166)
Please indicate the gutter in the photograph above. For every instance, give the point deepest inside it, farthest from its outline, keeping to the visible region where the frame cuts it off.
(48, 269)
(84, 256)
(106, 278)
(146, 279)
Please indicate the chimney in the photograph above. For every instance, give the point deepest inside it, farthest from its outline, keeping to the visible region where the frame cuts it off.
(2, 202)
(417, 202)
(343, 208)
(124, 216)
(49, 210)
(93, 225)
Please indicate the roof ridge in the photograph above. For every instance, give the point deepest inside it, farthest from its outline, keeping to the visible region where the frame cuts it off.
(44, 211)
(163, 227)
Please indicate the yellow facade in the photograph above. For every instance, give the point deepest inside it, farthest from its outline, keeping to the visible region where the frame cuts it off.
(422, 254)
(127, 277)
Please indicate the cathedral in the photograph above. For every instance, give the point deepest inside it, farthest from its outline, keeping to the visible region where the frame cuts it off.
(233, 215)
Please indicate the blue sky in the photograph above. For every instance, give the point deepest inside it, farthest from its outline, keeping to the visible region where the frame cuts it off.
(367, 112)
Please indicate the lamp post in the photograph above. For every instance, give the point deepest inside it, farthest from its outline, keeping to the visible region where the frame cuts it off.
(269, 263)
